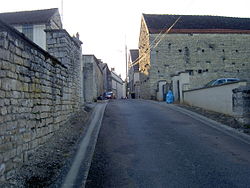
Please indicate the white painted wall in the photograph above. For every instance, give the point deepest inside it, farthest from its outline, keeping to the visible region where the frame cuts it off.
(183, 79)
(39, 35)
(159, 94)
(216, 98)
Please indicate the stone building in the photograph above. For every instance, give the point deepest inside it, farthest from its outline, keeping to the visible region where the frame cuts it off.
(34, 23)
(93, 78)
(118, 85)
(107, 80)
(206, 47)
(133, 74)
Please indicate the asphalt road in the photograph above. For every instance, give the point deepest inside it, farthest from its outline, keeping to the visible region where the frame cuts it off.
(144, 144)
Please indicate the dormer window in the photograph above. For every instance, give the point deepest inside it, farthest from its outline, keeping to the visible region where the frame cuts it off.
(27, 30)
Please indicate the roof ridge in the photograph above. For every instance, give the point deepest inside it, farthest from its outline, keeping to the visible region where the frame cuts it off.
(24, 11)
(29, 17)
(159, 22)
(194, 15)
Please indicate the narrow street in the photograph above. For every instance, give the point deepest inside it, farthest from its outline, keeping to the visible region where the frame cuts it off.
(148, 144)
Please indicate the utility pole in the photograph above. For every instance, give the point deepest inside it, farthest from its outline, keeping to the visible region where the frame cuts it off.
(62, 10)
(126, 78)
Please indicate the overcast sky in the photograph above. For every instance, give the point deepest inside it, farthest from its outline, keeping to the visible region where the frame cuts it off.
(106, 25)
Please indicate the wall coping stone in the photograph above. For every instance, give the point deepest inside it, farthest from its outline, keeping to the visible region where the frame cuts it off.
(73, 39)
(241, 81)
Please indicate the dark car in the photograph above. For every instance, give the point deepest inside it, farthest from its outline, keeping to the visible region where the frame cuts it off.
(221, 81)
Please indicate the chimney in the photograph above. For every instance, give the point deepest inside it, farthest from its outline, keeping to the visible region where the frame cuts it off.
(77, 36)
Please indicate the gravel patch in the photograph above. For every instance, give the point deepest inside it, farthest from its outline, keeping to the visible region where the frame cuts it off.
(45, 166)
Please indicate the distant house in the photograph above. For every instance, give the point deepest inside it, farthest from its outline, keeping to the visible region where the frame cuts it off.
(205, 47)
(33, 23)
(107, 80)
(118, 85)
(133, 73)
(92, 78)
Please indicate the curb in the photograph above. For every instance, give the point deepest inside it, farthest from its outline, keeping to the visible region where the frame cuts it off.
(78, 172)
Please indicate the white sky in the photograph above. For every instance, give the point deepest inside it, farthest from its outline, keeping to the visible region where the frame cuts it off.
(106, 25)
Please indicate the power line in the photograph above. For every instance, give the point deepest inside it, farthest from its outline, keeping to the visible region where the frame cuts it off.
(161, 35)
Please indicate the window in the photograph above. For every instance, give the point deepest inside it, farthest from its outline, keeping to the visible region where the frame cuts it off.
(28, 31)
(221, 81)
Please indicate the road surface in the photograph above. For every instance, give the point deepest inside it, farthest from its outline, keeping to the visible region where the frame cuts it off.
(149, 144)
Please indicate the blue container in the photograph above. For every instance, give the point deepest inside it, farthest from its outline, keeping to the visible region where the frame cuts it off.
(170, 97)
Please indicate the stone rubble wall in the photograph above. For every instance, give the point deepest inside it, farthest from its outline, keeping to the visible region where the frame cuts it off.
(93, 78)
(241, 104)
(68, 51)
(204, 56)
(89, 79)
(37, 95)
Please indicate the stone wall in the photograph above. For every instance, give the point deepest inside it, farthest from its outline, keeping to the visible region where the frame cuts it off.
(93, 78)
(107, 79)
(215, 98)
(117, 85)
(37, 95)
(204, 56)
(145, 63)
(241, 104)
(68, 51)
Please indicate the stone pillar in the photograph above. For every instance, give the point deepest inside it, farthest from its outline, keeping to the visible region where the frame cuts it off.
(68, 50)
(241, 104)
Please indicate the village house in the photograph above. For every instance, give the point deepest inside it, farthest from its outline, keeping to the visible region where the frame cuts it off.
(118, 85)
(34, 23)
(107, 86)
(204, 47)
(133, 74)
(92, 79)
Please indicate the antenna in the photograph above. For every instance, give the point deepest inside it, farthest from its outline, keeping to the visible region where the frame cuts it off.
(126, 59)
(62, 10)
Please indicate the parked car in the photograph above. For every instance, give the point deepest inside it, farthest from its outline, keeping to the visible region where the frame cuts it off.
(221, 81)
(109, 95)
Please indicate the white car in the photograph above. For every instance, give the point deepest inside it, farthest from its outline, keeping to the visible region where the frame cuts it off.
(221, 81)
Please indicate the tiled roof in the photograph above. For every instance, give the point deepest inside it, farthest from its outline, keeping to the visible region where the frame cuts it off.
(28, 17)
(157, 23)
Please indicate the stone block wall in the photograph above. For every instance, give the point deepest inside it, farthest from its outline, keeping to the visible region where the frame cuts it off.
(68, 51)
(93, 78)
(145, 63)
(89, 86)
(204, 56)
(37, 95)
(241, 104)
